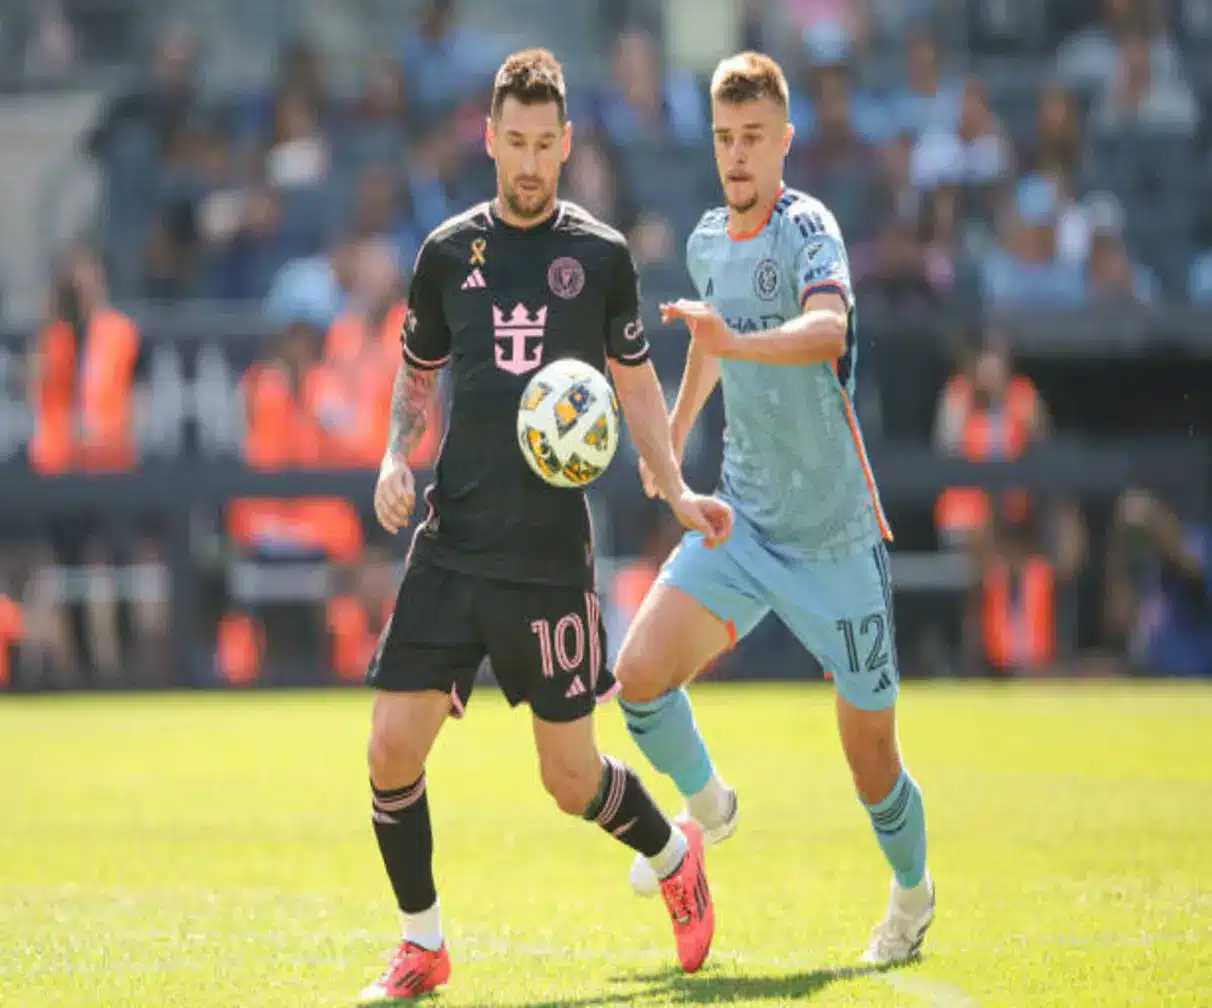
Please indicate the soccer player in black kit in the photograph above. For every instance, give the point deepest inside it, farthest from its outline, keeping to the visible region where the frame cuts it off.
(503, 565)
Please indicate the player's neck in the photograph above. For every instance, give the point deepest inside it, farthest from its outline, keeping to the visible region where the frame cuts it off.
(502, 212)
(745, 224)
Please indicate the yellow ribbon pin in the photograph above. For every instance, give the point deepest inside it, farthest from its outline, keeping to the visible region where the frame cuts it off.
(478, 246)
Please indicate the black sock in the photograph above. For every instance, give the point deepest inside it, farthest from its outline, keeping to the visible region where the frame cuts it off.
(624, 809)
(401, 820)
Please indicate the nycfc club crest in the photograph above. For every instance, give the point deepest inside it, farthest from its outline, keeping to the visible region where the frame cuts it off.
(566, 277)
(766, 279)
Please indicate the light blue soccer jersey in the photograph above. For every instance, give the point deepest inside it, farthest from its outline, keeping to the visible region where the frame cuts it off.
(794, 462)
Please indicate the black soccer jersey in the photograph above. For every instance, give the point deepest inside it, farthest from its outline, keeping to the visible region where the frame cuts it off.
(498, 302)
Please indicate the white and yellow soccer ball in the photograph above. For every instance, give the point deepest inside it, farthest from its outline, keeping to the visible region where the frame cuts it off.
(568, 423)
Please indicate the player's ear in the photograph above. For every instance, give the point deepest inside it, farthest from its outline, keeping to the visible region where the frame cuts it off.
(788, 136)
(566, 142)
(490, 138)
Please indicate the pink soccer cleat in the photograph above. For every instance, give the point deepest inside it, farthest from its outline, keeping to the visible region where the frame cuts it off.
(413, 971)
(688, 898)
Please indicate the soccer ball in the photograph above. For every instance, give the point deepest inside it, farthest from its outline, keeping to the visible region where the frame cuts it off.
(568, 424)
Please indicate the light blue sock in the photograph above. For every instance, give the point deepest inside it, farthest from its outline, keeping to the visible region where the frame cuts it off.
(900, 827)
(665, 731)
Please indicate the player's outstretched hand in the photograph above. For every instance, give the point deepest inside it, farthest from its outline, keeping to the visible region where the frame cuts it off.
(709, 516)
(707, 327)
(395, 494)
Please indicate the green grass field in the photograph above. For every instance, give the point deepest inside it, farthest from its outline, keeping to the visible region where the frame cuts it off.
(208, 851)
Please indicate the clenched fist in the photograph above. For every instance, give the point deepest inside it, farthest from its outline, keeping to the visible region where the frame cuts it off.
(395, 494)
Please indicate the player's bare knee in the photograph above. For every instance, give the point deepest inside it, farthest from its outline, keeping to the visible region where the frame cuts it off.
(395, 759)
(573, 785)
(869, 742)
(403, 729)
(875, 765)
(642, 670)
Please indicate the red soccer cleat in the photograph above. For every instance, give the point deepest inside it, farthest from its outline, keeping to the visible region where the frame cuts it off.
(688, 898)
(413, 971)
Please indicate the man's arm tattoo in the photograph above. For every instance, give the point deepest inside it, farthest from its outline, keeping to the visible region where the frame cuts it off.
(410, 409)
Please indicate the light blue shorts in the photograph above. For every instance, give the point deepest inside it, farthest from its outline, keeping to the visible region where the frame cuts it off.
(839, 608)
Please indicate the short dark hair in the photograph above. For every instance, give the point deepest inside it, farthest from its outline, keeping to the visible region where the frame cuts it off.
(748, 76)
(533, 77)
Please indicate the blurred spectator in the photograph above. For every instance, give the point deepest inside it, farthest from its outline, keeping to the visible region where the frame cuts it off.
(1199, 279)
(301, 72)
(1020, 611)
(1111, 276)
(986, 412)
(591, 180)
(895, 195)
(939, 225)
(312, 290)
(831, 64)
(1025, 269)
(362, 350)
(1012, 616)
(438, 181)
(82, 375)
(51, 47)
(1158, 604)
(129, 142)
(444, 62)
(357, 612)
(298, 154)
(244, 246)
(645, 101)
(973, 153)
(835, 163)
(288, 400)
(375, 133)
(1075, 219)
(377, 213)
(928, 103)
(82, 370)
(835, 146)
(1057, 145)
(896, 272)
(1137, 95)
(157, 104)
(1089, 59)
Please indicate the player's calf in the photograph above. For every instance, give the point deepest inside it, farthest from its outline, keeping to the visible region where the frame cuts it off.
(673, 637)
(894, 803)
(620, 804)
(403, 729)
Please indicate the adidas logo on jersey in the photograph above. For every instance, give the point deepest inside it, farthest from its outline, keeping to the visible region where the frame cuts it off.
(474, 281)
(576, 689)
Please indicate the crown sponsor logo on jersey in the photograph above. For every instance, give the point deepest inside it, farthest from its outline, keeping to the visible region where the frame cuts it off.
(766, 279)
(474, 281)
(519, 339)
(566, 277)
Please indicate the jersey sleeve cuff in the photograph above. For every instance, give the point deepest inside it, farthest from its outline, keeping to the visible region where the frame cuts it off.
(420, 363)
(824, 285)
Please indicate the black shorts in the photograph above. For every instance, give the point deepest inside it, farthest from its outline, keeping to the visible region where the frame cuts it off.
(547, 645)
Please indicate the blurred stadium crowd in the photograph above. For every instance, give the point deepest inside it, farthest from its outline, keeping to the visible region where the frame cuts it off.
(267, 172)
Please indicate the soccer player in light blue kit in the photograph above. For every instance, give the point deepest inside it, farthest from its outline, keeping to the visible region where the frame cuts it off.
(776, 325)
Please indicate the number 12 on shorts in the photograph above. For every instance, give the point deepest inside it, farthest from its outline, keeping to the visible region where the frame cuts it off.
(871, 637)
